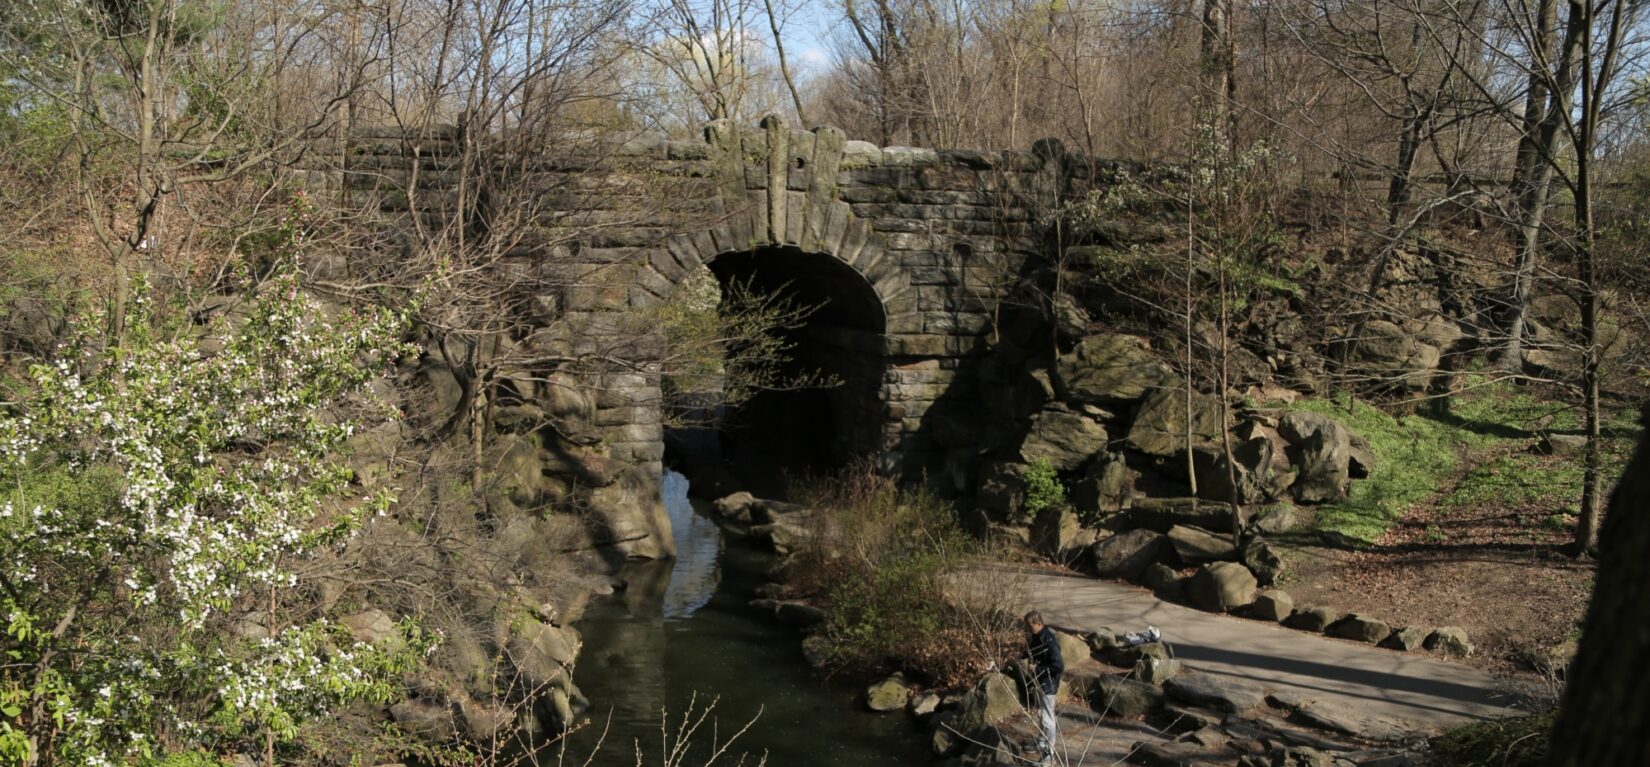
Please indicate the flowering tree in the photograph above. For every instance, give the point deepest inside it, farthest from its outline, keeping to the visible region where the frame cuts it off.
(154, 497)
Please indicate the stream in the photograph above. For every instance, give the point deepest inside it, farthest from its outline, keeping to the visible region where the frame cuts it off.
(683, 634)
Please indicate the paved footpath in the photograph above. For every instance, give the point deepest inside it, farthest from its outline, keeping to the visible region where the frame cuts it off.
(1411, 690)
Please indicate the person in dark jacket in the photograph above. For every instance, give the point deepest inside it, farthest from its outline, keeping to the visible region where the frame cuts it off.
(1043, 650)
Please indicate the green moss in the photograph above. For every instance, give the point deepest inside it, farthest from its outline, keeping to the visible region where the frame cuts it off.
(1520, 742)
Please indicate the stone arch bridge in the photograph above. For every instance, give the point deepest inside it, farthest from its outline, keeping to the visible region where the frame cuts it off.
(908, 252)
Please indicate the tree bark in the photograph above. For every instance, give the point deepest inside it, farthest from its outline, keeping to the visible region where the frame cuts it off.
(1215, 68)
(1551, 88)
(1593, 83)
(784, 66)
(1606, 706)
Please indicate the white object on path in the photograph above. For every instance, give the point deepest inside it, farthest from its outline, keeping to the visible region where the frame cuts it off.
(1151, 634)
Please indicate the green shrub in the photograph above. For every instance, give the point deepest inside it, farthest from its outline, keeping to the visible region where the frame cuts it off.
(882, 564)
(1043, 488)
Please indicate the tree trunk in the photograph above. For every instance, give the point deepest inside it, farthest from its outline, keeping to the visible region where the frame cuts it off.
(1537, 152)
(1399, 188)
(784, 65)
(1586, 541)
(1215, 63)
(1606, 706)
(1409, 143)
(1593, 84)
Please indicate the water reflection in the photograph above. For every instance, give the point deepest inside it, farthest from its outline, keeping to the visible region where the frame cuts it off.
(693, 576)
(683, 630)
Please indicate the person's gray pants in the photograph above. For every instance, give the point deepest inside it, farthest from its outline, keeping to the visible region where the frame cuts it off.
(1046, 721)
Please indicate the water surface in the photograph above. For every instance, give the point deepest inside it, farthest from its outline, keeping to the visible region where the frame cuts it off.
(683, 632)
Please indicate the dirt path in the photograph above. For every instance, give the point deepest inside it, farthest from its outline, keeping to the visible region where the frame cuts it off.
(1410, 690)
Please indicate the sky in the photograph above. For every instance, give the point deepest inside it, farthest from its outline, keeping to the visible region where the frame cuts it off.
(807, 35)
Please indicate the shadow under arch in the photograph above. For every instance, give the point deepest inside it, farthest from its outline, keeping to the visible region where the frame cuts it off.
(792, 432)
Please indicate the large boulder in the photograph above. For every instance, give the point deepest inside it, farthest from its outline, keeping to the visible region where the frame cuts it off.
(816, 651)
(1298, 427)
(1323, 456)
(1130, 655)
(555, 710)
(543, 654)
(1160, 425)
(1251, 465)
(1195, 546)
(1155, 671)
(1219, 693)
(1073, 648)
(1126, 555)
(923, 705)
(1162, 514)
(1065, 440)
(1104, 486)
(34, 325)
(1263, 561)
(630, 516)
(1405, 639)
(1221, 587)
(370, 626)
(1163, 581)
(1272, 479)
(1272, 605)
(1053, 530)
(485, 722)
(890, 694)
(1314, 619)
(1116, 696)
(1001, 490)
(564, 397)
(1393, 356)
(1306, 709)
(994, 698)
(946, 739)
(736, 506)
(1110, 368)
(1449, 640)
(426, 720)
(990, 746)
(1360, 628)
(1279, 518)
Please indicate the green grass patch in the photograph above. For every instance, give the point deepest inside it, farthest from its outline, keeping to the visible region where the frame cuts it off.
(1519, 479)
(1414, 456)
(1520, 742)
(1503, 410)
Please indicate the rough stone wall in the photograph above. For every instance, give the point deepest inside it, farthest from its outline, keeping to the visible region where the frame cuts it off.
(933, 239)
(935, 235)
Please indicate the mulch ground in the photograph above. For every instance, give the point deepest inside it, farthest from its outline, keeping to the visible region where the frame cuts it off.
(1495, 572)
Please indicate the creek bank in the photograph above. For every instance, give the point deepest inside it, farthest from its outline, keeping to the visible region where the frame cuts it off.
(1114, 688)
(1111, 689)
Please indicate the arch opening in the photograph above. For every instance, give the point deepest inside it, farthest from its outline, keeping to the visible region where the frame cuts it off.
(792, 431)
